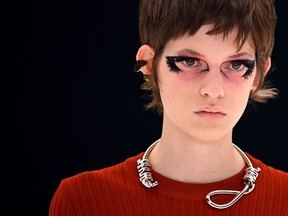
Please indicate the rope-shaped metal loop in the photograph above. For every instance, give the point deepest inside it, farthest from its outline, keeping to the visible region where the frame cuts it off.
(249, 179)
(144, 169)
(145, 174)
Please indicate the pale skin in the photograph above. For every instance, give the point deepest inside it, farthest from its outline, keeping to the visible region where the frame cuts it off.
(200, 109)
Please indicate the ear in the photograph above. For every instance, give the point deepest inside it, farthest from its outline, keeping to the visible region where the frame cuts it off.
(267, 67)
(146, 53)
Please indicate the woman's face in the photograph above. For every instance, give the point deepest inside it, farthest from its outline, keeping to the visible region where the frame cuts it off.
(204, 83)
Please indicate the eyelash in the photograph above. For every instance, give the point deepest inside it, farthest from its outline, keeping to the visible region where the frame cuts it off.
(250, 64)
(170, 60)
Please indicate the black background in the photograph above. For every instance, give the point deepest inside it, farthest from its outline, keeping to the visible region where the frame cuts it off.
(73, 103)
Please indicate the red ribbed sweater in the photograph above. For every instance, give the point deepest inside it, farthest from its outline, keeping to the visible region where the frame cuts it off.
(117, 191)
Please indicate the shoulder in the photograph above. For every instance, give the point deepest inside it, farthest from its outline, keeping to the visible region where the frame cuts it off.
(95, 191)
(276, 179)
(271, 185)
(270, 172)
(112, 176)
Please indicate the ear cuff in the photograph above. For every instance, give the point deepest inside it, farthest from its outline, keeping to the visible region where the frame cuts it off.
(148, 83)
(138, 64)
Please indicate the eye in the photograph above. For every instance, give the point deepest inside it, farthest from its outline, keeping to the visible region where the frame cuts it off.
(184, 63)
(190, 62)
(238, 68)
(236, 65)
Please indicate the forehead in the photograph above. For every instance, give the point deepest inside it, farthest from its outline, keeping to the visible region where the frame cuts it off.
(214, 45)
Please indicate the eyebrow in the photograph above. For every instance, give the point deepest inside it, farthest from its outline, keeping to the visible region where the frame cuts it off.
(194, 53)
(189, 51)
(237, 55)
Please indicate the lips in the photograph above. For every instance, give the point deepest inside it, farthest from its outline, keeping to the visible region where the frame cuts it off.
(210, 113)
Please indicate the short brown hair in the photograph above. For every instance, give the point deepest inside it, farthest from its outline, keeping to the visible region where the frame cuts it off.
(163, 20)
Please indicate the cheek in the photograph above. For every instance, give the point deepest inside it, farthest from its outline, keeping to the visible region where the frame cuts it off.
(173, 88)
(189, 76)
(237, 94)
(241, 85)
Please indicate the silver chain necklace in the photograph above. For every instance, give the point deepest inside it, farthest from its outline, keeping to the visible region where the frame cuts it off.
(251, 174)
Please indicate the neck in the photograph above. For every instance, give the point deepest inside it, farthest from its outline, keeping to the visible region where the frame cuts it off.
(196, 162)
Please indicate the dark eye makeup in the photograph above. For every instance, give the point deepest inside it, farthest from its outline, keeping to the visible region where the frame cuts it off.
(191, 61)
(250, 65)
(171, 62)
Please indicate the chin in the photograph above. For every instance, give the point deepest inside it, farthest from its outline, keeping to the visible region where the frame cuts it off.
(211, 135)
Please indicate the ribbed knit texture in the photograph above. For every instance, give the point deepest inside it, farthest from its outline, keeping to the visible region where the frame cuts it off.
(117, 191)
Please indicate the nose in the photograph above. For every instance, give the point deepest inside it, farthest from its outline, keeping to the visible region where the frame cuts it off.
(213, 85)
